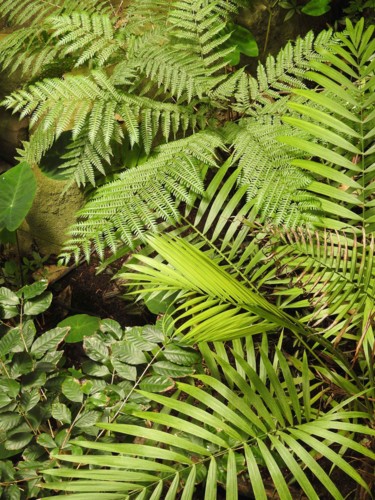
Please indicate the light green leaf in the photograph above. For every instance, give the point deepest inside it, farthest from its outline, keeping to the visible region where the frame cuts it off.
(61, 413)
(38, 305)
(156, 384)
(125, 352)
(171, 369)
(71, 388)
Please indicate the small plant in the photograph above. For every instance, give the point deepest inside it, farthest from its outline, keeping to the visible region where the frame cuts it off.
(49, 396)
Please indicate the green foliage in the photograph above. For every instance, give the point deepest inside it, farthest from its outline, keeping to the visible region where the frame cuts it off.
(220, 434)
(17, 193)
(46, 401)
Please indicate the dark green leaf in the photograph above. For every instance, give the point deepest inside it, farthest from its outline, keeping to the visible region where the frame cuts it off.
(9, 342)
(46, 440)
(18, 441)
(88, 419)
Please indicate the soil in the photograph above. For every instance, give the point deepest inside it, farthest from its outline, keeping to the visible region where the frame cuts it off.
(83, 291)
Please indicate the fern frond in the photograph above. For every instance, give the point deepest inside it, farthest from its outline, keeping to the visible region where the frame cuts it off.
(93, 36)
(33, 12)
(144, 194)
(280, 75)
(278, 189)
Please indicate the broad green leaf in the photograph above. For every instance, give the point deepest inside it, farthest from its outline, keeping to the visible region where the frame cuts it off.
(38, 305)
(125, 371)
(81, 325)
(46, 440)
(185, 356)
(171, 369)
(17, 192)
(156, 383)
(95, 348)
(18, 441)
(316, 7)
(61, 413)
(9, 341)
(244, 40)
(31, 291)
(87, 419)
(71, 388)
(8, 298)
(107, 475)
(111, 326)
(48, 341)
(125, 352)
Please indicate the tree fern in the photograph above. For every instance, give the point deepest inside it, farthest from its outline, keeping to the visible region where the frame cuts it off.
(142, 195)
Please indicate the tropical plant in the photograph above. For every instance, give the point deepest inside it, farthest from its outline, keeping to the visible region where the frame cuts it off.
(46, 400)
(163, 87)
(301, 384)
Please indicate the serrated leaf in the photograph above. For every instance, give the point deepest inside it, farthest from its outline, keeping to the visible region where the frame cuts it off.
(4, 400)
(9, 420)
(46, 440)
(8, 298)
(157, 383)
(135, 337)
(95, 369)
(124, 351)
(71, 388)
(48, 341)
(171, 369)
(10, 387)
(81, 325)
(125, 371)
(185, 356)
(38, 305)
(30, 399)
(18, 441)
(61, 413)
(31, 291)
(9, 342)
(88, 419)
(95, 349)
(111, 326)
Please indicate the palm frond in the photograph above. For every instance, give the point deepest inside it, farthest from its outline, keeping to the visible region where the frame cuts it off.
(244, 430)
